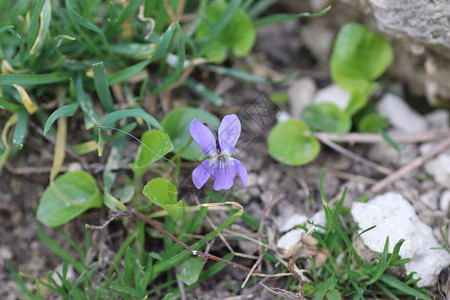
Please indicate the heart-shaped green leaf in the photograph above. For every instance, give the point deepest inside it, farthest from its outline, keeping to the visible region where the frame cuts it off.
(190, 269)
(289, 145)
(176, 125)
(359, 55)
(164, 194)
(67, 197)
(326, 117)
(156, 144)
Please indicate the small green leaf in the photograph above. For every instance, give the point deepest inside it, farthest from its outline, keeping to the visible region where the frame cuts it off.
(110, 119)
(112, 203)
(176, 125)
(20, 131)
(65, 111)
(156, 145)
(190, 269)
(231, 28)
(359, 56)
(289, 145)
(67, 197)
(125, 193)
(163, 193)
(326, 117)
(101, 86)
(373, 122)
(203, 91)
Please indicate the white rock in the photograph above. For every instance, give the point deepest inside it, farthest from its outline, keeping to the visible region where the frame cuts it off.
(333, 94)
(301, 93)
(400, 114)
(287, 223)
(396, 218)
(438, 119)
(288, 239)
(439, 168)
(319, 218)
(444, 202)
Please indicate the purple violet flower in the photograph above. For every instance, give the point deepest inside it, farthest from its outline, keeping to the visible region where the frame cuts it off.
(220, 164)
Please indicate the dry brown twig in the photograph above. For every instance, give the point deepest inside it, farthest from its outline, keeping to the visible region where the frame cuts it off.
(408, 168)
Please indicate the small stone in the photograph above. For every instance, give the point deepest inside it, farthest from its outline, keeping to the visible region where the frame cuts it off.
(393, 216)
(385, 153)
(439, 168)
(301, 94)
(5, 253)
(444, 202)
(333, 94)
(289, 239)
(430, 199)
(438, 119)
(286, 223)
(283, 116)
(319, 40)
(400, 114)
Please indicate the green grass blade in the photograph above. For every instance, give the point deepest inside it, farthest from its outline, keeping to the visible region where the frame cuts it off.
(203, 91)
(90, 114)
(10, 106)
(130, 8)
(65, 111)
(181, 51)
(163, 46)
(110, 119)
(101, 86)
(21, 283)
(34, 79)
(33, 26)
(127, 72)
(286, 17)
(402, 287)
(259, 7)
(382, 265)
(52, 245)
(20, 130)
(241, 75)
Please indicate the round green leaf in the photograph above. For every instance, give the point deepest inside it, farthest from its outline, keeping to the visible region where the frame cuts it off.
(326, 117)
(67, 197)
(289, 145)
(163, 193)
(359, 56)
(190, 269)
(176, 125)
(239, 33)
(373, 123)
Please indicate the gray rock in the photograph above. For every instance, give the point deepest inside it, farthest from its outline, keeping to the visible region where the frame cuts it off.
(333, 94)
(439, 168)
(319, 40)
(400, 114)
(301, 93)
(396, 218)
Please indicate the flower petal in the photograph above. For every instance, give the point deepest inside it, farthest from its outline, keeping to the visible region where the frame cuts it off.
(203, 137)
(229, 132)
(242, 172)
(223, 171)
(201, 174)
